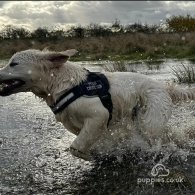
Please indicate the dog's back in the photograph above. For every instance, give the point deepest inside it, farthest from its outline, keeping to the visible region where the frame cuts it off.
(149, 98)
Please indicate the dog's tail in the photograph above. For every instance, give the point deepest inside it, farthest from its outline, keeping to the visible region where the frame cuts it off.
(155, 109)
(156, 106)
(179, 94)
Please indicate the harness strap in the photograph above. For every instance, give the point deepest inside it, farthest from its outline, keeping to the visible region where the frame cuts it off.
(95, 85)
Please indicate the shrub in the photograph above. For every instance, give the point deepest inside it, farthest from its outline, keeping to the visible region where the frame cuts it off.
(181, 23)
(185, 73)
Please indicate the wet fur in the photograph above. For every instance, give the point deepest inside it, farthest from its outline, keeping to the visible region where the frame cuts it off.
(139, 102)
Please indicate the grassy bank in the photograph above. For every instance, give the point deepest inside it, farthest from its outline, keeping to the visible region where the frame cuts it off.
(130, 46)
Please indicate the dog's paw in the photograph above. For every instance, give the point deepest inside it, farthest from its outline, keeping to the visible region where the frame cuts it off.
(79, 154)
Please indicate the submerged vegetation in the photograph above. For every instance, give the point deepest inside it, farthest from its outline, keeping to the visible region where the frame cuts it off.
(117, 66)
(173, 39)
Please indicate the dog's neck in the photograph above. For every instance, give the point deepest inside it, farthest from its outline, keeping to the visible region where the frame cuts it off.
(57, 81)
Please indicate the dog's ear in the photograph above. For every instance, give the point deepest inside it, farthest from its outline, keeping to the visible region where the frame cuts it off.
(69, 52)
(57, 59)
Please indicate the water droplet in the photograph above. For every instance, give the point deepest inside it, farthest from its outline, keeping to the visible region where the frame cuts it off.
(168, 15)
(51, 74)
(183, 38)
(29, 71)
(48, 94)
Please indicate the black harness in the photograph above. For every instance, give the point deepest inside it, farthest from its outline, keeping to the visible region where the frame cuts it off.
(96, 85)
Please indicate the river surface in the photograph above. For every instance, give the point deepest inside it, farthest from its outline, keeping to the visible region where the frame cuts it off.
(34, 156)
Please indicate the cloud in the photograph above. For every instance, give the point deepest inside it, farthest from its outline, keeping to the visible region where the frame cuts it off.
(33, 14)
(2, 3)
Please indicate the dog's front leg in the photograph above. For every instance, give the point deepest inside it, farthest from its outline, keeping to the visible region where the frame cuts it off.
(89, 134)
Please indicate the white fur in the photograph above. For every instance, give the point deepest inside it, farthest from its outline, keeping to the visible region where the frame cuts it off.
(48, 76)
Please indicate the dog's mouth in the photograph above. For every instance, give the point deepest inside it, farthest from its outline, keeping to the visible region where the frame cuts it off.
(7, 87)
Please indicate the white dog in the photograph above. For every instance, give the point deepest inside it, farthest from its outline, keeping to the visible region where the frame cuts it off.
(135, 98)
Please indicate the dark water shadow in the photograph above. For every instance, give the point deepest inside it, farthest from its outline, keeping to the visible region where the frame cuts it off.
(114, 176)
(191, 60)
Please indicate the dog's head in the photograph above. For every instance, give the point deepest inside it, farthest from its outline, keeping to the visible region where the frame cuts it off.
(25, 68)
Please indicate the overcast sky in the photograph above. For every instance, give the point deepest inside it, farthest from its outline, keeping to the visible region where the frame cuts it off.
(33, 14)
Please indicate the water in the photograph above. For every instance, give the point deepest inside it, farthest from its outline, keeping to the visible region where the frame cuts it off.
(159, 69)
(34, 156)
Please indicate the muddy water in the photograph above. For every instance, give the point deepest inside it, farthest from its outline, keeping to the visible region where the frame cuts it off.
(34, 156)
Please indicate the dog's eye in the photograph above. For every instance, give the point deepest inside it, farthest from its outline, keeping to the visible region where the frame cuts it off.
(13, 64)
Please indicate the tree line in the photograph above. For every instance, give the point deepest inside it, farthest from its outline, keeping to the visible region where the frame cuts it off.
(172, 24)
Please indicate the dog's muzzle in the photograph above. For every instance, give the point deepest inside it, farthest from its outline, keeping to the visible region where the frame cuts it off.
(8, 86)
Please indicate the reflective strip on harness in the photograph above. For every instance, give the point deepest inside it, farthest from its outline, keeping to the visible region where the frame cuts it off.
(95, 85)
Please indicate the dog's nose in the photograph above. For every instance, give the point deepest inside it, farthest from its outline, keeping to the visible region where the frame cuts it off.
(3, 74)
